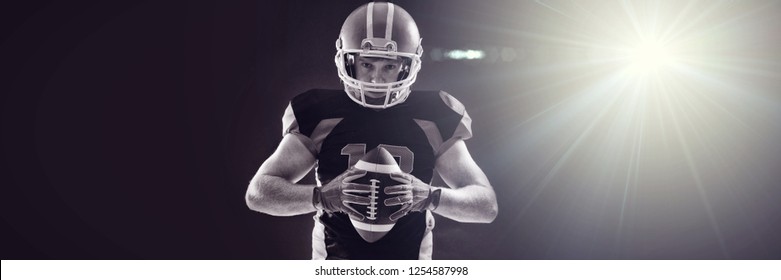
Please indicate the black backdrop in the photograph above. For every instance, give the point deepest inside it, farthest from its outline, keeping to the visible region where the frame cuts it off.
(130, 131)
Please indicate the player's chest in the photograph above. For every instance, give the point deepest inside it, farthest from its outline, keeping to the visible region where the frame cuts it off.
(402, 137)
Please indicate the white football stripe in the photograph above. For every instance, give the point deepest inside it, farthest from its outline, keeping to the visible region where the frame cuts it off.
(371, 227)
(379, 168)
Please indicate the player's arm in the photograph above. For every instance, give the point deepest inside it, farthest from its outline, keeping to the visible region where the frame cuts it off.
(471, 197)
(273, 189)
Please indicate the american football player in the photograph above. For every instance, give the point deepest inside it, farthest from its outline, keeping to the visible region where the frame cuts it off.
(378, 57)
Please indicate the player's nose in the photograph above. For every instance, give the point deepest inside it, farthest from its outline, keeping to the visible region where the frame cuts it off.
(376, 77)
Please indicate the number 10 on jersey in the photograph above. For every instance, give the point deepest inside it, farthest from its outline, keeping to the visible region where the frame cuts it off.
(404, 155)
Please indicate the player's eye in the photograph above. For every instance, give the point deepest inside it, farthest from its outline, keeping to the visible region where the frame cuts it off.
(366, 65)
(390, 67)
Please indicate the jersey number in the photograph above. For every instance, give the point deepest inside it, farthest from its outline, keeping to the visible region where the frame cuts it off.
(404, 154)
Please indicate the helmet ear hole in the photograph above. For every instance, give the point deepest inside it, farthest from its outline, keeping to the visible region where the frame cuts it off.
(405, 69)
(349, 64)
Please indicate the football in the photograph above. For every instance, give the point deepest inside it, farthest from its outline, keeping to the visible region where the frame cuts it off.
(378, 164)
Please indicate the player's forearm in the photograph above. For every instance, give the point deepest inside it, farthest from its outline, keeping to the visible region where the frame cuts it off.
(469, 204)
(279, 197)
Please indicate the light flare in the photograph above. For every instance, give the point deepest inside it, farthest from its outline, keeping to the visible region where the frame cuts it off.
(651, 56)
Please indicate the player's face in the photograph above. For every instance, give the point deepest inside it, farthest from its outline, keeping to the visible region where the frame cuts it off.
(377, 70)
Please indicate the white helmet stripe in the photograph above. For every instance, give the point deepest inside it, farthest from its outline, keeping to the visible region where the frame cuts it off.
(369, 21)
(389, 22)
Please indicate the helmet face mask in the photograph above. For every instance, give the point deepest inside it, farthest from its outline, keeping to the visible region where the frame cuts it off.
(401, 42)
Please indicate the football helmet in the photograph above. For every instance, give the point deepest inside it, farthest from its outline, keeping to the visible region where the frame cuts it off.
(380, 30)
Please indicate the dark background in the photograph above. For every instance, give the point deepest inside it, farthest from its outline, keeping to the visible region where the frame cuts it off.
(130, 131)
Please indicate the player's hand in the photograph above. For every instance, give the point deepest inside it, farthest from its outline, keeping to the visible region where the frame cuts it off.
(412, 194)
(340, 193)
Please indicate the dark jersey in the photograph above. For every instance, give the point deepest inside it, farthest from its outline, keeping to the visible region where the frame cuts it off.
(339, 132)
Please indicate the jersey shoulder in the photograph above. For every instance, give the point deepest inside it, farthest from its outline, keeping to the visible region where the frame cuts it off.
(308, 109)
(440, 115)
(439, 102)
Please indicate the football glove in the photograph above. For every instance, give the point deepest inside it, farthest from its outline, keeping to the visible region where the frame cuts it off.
(412, 194)
(340, 192)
